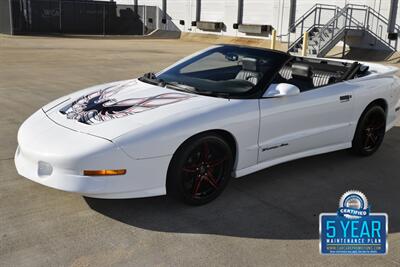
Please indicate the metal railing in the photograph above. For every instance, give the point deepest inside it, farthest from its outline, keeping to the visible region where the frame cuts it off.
(334, 29)
(351, 17)
(314, 17)
(377, 25)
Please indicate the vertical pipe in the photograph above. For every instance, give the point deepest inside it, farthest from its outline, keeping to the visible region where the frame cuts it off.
(144, 19)
(135, 6)
(59, 16)
(198, 10)
(305, 44)
(11, 17)
(344, 43)
(29, 14)
(164, 15)
(392, 16)
(157, 18)
(240, 12)
(319, 16)
(164, 9)
(282, 13)
(273, 39)
(292, 15)
(104, 19)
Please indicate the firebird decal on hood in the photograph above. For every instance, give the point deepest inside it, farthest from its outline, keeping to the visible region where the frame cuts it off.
(99, 106)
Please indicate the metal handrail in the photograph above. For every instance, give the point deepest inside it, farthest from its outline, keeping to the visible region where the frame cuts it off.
(373, 11)
(350, 22)
(370, 11)
(300, 21)
(308, 13)
(347, 25)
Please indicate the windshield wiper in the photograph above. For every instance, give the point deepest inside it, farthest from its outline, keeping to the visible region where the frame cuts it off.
(181, 87)
(212, 93)
(194, 90)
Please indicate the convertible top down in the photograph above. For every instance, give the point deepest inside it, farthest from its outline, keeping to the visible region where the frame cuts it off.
(225, 111)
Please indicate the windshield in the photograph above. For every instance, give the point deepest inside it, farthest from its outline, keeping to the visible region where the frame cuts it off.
(225, 69)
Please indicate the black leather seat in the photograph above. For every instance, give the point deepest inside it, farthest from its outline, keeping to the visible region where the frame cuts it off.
(302, 76)
(250, 70)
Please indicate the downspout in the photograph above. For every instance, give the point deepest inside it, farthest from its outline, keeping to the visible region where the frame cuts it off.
(292, 15)
(198, 10)
(240, 12)
(164, 14)
(136, 6)
(11, 18)
(392, 16)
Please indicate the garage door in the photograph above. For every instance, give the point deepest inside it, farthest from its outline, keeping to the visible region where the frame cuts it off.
(258, 11)
(212, 10)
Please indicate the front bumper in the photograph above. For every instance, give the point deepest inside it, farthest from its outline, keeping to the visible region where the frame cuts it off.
(55, 156)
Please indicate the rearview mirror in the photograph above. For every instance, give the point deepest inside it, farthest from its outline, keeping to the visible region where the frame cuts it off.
(231, 57)
(282, 89)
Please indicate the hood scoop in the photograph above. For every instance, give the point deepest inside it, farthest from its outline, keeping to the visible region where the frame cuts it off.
(115, 102)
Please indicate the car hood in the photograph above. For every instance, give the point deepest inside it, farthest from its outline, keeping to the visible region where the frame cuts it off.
(110, 110)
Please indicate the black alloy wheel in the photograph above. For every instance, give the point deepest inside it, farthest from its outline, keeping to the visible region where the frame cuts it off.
(370, 131)
(200, 170)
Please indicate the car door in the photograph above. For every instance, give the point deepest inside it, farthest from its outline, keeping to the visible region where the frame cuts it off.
(303, 123)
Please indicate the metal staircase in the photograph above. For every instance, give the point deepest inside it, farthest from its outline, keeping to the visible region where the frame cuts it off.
(350, 21)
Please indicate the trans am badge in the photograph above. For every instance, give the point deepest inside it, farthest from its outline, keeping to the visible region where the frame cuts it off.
(103, 105)
(353, 229)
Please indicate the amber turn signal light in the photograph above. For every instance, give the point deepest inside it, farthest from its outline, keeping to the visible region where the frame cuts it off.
(104, 172)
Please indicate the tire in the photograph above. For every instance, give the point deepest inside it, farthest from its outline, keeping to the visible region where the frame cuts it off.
(370, 131)
(200, 170)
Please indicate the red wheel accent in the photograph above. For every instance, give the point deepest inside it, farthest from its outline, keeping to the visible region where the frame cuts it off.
(216, 163)
(197, 185)
(204, 170)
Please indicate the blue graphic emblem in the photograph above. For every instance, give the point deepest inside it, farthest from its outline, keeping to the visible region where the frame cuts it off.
(353, 229)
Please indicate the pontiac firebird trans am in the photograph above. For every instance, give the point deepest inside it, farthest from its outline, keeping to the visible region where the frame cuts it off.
(224, 112)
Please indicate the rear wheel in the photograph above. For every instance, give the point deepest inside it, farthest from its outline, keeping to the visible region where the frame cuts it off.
(200, 170)
(370, 131)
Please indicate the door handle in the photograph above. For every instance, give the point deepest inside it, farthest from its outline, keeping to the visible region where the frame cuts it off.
(345, 98)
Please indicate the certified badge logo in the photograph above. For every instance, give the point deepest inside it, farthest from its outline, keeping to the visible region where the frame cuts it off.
(353, 205)
(353, 229)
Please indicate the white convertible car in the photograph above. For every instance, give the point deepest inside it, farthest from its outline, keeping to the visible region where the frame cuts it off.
(224, 112)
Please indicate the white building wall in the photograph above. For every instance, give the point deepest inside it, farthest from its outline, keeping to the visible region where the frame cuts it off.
(270, 12)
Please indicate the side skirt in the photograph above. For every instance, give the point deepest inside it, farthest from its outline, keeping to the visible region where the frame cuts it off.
(266, 164)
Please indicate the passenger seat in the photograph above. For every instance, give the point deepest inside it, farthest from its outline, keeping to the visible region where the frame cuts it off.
(250, 70)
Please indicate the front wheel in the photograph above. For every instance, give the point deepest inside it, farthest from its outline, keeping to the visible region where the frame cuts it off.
(200, 170)
(370, 131)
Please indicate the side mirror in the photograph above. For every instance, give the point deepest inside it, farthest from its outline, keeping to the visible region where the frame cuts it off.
(282, 89)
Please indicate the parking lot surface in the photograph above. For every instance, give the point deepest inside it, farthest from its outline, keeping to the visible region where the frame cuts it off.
(267, 218)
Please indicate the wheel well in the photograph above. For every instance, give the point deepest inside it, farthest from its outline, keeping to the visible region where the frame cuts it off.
(230, 139)
(227, 136)
(378, 102)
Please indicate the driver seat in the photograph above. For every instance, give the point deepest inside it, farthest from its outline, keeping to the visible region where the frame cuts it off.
(250, 70)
